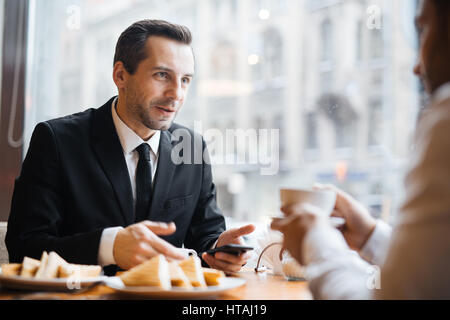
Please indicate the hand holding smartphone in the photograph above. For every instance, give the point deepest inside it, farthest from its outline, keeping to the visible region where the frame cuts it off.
(235, 249)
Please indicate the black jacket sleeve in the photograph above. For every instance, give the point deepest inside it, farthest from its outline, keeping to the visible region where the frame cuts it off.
(208, 222)
(37, 207)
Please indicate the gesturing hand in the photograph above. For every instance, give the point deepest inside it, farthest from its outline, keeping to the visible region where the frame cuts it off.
(359, 224)
(140, 242)
(227, 262)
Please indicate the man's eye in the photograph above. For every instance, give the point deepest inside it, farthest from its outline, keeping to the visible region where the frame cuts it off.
(186, 80)
(162, 75)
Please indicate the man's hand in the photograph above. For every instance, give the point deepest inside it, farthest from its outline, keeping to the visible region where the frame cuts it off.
(359, 224)
(227, 262)
(140, 242)
(298, 221)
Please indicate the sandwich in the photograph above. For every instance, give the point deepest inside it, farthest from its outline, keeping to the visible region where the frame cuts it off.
(11, 269)
(153, 272)
(51, 267)
(212, 276)
(177, 276)
(79, 271)
(40, 271)
(192, 267)
(29, 267)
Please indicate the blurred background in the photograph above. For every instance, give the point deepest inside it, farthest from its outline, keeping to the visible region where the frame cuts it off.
(335, 77)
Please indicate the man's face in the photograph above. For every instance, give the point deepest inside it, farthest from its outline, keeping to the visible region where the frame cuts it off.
(433, 62)
(156, 91)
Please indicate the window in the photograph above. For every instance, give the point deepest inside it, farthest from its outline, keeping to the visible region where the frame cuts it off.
(359, 40)
(246, 78)
(224, 61)
(268, 71)
(343, 117)
(327, 39)
(311, 130)
(375, 122)
(376, 43)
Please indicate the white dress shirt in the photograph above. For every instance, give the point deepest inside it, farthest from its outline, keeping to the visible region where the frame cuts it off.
(129, 141)
(414, 262)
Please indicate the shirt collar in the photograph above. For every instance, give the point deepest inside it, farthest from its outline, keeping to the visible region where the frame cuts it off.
(128, 138)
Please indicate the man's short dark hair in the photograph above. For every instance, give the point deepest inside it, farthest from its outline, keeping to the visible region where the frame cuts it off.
(130, 48)
(443, 12)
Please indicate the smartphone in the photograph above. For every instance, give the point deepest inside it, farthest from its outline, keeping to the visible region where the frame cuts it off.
(235, 249)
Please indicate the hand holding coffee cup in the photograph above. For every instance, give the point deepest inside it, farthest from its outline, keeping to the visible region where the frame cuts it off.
(298, 220)
(358, 223)
(322, 199)
(303, 210)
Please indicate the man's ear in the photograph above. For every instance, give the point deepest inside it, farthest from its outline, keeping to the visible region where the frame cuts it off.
(120, 75)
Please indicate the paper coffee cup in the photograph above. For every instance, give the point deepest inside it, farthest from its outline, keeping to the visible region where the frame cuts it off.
(322, 199)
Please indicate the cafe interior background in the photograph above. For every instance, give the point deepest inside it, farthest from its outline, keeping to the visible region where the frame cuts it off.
(333, 76)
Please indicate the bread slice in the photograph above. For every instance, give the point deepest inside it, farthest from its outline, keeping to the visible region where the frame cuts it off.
(43, 263)
(153, 272)
(212, 276)
(177, 276)
(79, 270)
(192, 267)
(51, 268)
(29, 267)
(11, 269)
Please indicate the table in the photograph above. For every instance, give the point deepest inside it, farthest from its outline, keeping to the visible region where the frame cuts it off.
(259, 286)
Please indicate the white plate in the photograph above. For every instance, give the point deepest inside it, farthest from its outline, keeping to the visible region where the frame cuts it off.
(175, 293)
(67, 284)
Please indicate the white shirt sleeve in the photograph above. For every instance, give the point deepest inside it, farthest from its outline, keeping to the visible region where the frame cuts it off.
(105, 250)
(376, 247)
(333, 270)
(417, 262)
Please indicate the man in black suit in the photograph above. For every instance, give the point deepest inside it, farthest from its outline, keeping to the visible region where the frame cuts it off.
(101, 186)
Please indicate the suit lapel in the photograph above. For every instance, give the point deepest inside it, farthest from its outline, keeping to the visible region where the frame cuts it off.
(106, 144)
(163, 177)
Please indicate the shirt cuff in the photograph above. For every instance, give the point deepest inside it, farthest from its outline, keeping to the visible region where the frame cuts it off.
(376, 247)
(105, 250)
(321, 242)
(215, 244)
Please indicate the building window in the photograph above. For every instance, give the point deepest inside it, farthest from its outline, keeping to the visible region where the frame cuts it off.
(375, 118)
(327, 40)
(376, 43)
(311, 131)
(343, 116)
(359, 40)
(273, 54)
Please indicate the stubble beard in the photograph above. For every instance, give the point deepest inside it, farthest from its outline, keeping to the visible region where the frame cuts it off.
(142, 112)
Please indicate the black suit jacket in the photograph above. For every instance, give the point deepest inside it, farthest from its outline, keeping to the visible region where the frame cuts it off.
(74, 183)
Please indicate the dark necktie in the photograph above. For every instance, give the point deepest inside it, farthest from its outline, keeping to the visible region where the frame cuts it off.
(143, 182)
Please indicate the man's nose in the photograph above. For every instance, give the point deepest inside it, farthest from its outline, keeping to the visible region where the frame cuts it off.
(175, 91)
(417, 69)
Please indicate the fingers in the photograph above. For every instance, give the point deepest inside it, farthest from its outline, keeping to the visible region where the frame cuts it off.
(233, 259)
(225, 266)
(237, 232)
(343, 199)
(291, 209)
(166, 248)
(300, 209)
(160, 228)
(337, 213)
(149, 239)
(281, 224)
